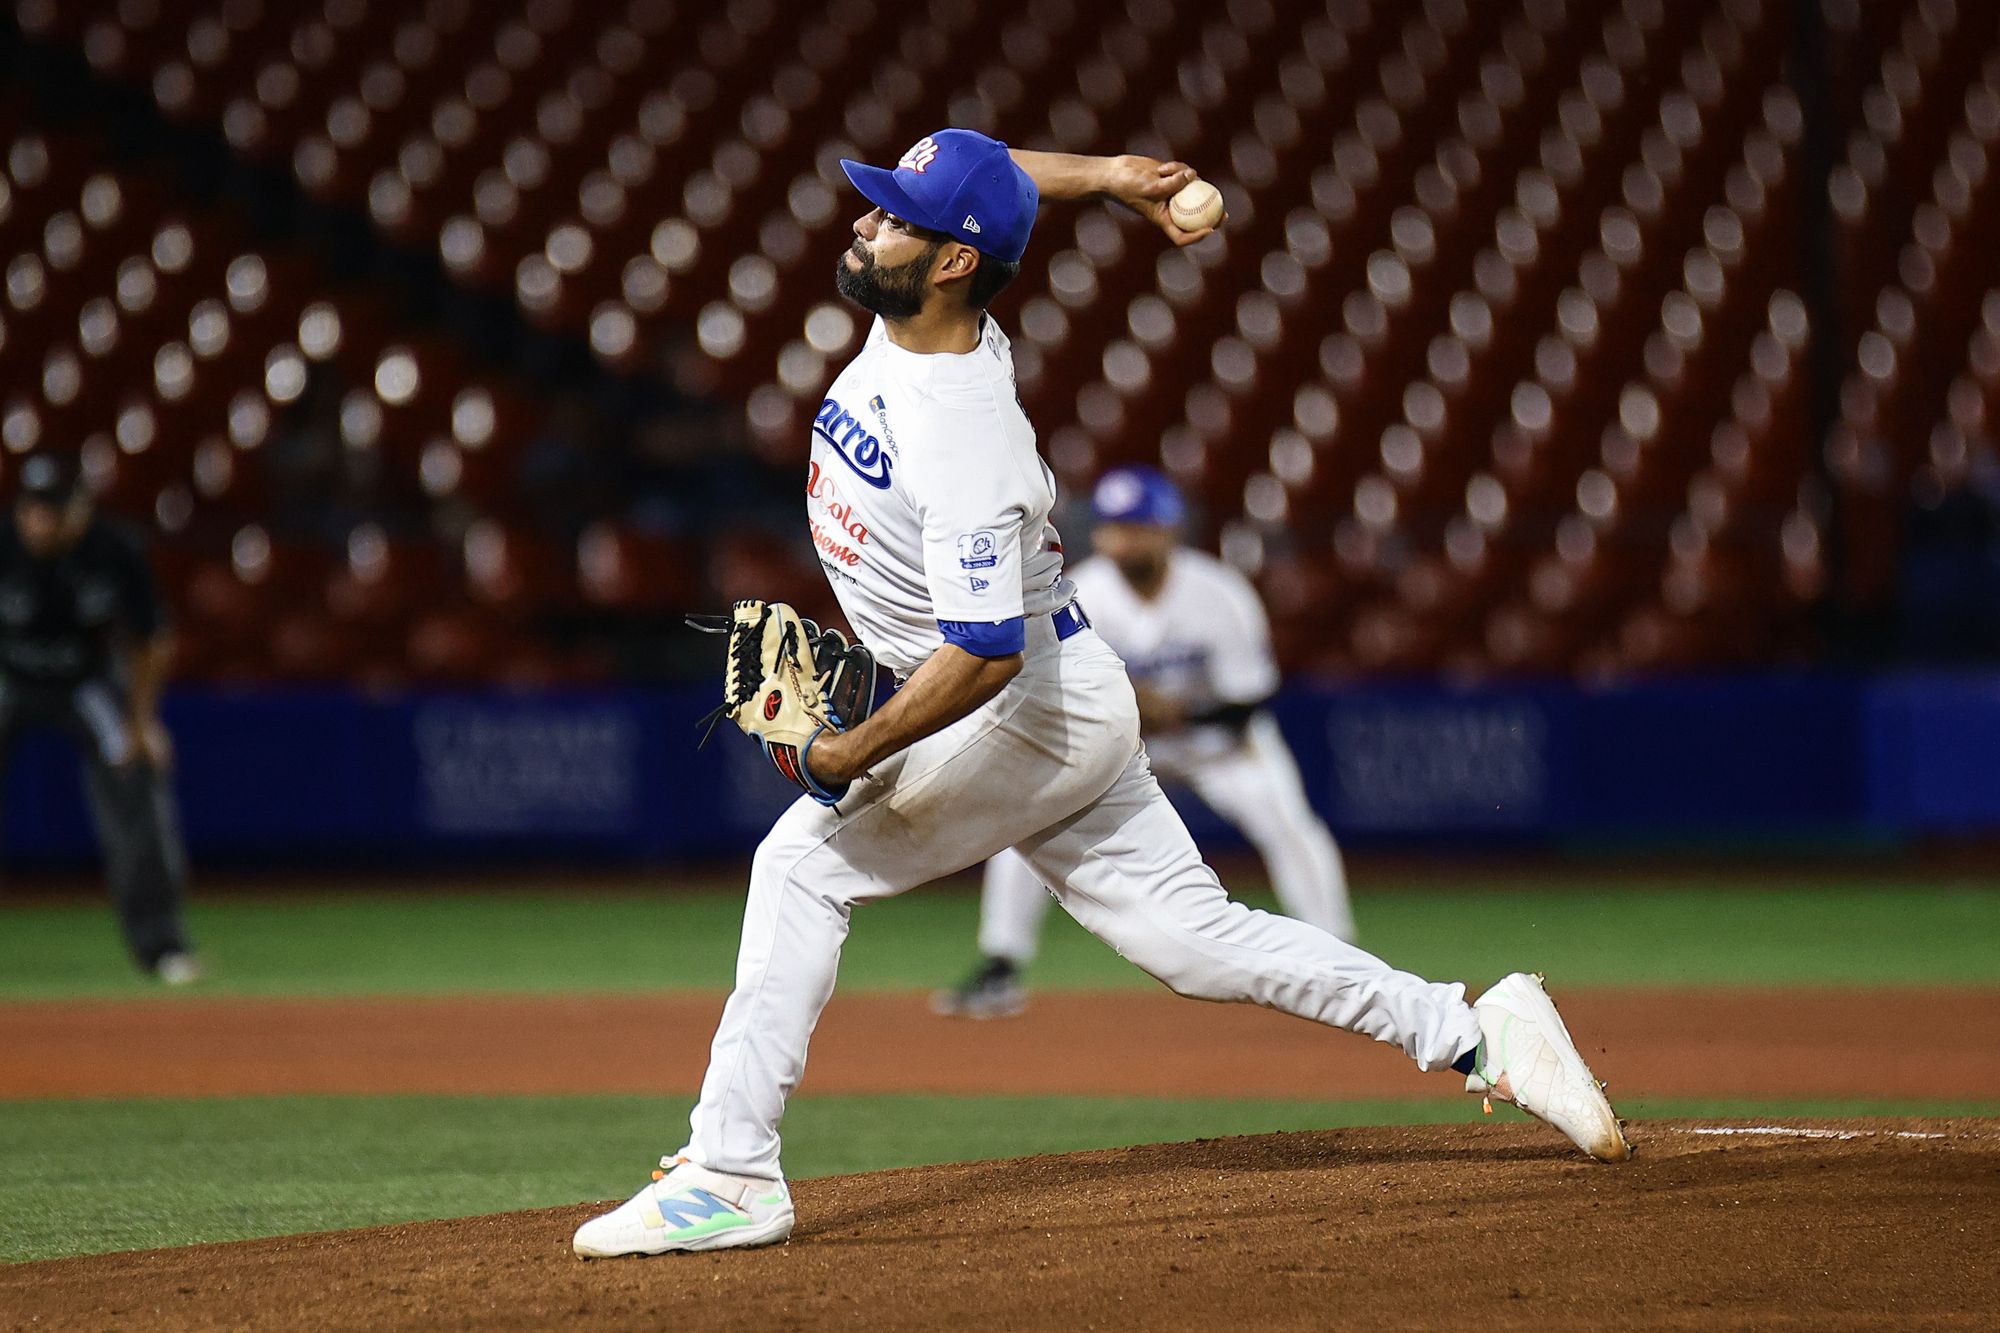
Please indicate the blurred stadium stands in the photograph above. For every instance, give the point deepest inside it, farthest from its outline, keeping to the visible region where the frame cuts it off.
(1505, 364)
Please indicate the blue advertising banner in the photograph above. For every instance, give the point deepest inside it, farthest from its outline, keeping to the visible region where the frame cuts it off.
(1934, 753)
(1418, 763)
(335, 777)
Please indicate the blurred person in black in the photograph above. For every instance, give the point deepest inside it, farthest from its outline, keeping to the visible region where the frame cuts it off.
(84, 649)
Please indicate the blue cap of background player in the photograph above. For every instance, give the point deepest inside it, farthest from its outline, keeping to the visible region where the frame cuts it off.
(958, 182)
(1138, 495)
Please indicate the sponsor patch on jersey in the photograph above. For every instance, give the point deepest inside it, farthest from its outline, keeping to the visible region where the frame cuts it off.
(978, 550)
(857, 447)
(978, 584)
(881, 412)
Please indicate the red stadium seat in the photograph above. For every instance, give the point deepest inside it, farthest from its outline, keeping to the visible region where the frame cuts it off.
(1481, 260)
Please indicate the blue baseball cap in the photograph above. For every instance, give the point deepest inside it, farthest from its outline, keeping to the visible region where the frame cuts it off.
(1138, 495)
(958, 182)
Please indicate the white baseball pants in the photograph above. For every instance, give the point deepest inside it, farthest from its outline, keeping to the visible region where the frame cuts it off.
(1052, 766)
(1256, 787)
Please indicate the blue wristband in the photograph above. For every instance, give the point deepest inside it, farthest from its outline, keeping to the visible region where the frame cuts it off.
(813, 789)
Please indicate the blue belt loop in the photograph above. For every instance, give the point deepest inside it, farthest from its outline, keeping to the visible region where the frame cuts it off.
(1070, 619)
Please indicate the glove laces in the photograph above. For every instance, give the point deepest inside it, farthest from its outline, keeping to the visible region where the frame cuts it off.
(746, 666)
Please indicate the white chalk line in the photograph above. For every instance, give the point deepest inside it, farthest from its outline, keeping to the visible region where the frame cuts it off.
(1791, 1132)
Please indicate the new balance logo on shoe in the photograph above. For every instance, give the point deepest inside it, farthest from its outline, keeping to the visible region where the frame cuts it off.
(688, 1208)
(696, 1205)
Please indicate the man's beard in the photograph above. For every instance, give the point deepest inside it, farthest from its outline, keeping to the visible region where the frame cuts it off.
(893, 293)
(1142, 572)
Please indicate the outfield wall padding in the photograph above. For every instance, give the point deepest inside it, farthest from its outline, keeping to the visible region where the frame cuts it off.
(299, 777)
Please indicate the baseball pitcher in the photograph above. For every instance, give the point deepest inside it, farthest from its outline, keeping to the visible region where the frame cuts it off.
(1014, 725)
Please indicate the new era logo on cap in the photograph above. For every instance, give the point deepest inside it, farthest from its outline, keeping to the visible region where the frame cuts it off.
(959, 182)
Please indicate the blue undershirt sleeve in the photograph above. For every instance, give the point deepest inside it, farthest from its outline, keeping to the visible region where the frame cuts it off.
(982, 638)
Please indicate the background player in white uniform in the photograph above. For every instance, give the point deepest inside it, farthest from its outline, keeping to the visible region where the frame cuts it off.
(1197, 646)
(1015, 725)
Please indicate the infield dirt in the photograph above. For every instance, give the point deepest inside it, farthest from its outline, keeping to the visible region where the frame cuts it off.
(1496, 1225)
(1481, 1224)
(1697, 1042)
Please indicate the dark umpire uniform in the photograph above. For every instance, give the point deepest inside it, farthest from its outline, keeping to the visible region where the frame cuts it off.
(84, 649)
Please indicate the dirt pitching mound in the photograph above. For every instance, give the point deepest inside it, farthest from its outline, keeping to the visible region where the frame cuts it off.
(1821, 1225)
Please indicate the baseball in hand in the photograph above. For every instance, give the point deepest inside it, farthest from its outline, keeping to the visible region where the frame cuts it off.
(1198, 205)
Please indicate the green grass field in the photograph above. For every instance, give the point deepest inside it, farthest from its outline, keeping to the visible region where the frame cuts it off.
(221, 1169)
(524, 939)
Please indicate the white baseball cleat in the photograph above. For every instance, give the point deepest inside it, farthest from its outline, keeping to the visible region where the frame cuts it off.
(688, 1207)
(1525, 1043)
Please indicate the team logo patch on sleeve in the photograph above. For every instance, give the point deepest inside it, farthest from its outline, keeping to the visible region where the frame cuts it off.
(978, 550)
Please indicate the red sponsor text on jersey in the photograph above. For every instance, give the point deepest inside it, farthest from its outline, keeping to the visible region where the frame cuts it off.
(821, 488)
(832, 547)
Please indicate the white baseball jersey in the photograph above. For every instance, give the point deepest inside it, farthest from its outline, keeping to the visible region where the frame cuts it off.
(929, 505)
(1202, 640)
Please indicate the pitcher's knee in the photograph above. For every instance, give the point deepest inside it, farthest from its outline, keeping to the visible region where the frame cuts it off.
(770, 864)
(777, 864)
(1201, 984)
(1173, 958)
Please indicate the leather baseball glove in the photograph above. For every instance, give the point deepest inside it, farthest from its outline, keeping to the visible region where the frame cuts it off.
(785, 681)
